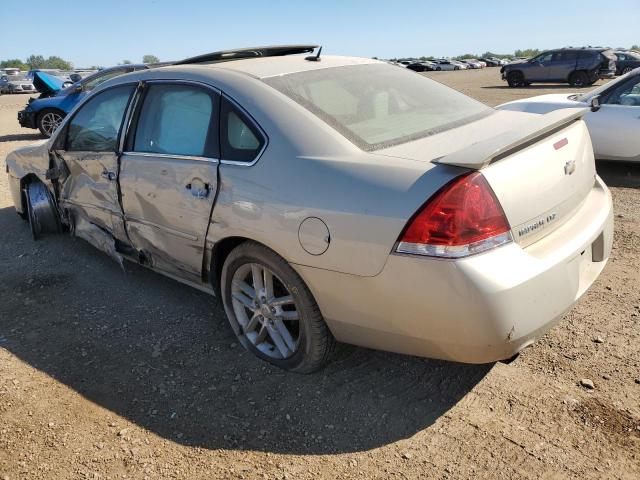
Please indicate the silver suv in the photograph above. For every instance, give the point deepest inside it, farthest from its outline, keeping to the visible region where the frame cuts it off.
(578, 66)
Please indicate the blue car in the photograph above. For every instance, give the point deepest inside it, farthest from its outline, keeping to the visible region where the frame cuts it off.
(47, 111)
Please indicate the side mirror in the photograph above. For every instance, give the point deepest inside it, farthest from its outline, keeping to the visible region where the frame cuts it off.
(595, 103)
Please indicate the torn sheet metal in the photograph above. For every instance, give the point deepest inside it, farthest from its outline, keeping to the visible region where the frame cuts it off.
(96, 236)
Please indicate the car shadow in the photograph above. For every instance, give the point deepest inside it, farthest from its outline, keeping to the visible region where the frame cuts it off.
(21, 137)
(550, 86)
(162, 355)
(619, 174)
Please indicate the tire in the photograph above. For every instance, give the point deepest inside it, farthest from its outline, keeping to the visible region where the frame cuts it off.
(48, 120)
(516, 79)
(626, 70)
(438, 69)
(41, 210)
(579, 79)
(257, 321)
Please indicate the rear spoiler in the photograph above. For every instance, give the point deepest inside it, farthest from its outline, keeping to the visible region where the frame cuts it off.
(481, 154)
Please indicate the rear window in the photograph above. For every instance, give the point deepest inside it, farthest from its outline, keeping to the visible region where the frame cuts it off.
(375, 106)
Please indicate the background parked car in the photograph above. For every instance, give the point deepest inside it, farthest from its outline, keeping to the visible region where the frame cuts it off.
(57, 99)
(422, 66)
(472, 63)
(626, 61)
(490, 63)
(444, 64)
(613, 127)
(578, 66)
(462, 65)
(16, 84)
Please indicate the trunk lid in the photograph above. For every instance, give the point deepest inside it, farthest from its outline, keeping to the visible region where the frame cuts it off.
(541, 169)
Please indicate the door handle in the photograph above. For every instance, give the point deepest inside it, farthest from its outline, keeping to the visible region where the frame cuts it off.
(198, 189)
(111, 176)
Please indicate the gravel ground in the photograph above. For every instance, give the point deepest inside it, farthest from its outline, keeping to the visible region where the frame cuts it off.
(105, 374)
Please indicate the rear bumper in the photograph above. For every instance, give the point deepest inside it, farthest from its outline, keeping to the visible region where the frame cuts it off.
(27, 119)
(479, 309)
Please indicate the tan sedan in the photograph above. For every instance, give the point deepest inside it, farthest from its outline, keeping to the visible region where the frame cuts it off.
(331, 198)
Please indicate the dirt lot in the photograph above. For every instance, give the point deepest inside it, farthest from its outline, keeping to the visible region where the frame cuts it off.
(105, 374)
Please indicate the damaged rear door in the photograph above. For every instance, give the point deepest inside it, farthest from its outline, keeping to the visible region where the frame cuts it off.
(169, 174)
(89, 149)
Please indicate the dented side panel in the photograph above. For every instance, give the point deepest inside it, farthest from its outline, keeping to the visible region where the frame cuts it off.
(30, 159)
(91, 189)
(167, 203)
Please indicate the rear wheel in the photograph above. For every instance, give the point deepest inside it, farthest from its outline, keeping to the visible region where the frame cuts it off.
(272, 311)
(48, 120)
(579, 79)
(516, 79)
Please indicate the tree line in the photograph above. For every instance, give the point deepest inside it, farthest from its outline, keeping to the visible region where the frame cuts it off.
(34, 62)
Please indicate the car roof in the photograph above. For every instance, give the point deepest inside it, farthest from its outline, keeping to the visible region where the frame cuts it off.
(264, 67)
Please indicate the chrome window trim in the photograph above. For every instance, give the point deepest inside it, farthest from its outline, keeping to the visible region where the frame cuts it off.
(172, 156)
(256, 125)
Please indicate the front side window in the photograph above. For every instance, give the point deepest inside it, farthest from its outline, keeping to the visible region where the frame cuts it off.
(544, 58)
(240, 140)
(96, 126)
(375, 106)
(178, 120)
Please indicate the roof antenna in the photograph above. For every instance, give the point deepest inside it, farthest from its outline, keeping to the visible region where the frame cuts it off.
(314, 58)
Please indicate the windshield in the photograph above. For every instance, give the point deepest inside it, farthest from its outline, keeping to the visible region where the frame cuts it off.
(375, 106)
(586, 97)
(96, 79)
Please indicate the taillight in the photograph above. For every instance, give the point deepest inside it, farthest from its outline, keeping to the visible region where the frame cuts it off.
(462, 219)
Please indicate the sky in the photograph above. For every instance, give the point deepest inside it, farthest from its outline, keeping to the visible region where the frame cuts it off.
(106, 32)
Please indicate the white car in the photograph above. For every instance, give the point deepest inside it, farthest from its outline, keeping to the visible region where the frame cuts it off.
(614, 126)
(462, 65)
(444, 64)
(330, 199)
(473, 63)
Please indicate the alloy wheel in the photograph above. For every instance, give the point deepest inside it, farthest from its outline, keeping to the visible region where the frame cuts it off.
(50, 122)
(265, 310)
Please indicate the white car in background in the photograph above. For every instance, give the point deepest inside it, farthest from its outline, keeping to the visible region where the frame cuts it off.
(614, 119)
(474, 63)
(444, 64)
(462, 65)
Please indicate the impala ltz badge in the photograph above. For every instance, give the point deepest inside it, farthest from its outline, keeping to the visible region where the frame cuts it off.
(569, 167)
(536, 224)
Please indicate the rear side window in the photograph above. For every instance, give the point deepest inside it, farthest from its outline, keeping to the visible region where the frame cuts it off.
(565, 56)
(178, 120)
(96, 126)
(240, 140)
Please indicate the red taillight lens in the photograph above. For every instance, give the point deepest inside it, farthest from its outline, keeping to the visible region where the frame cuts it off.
(463, 218)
